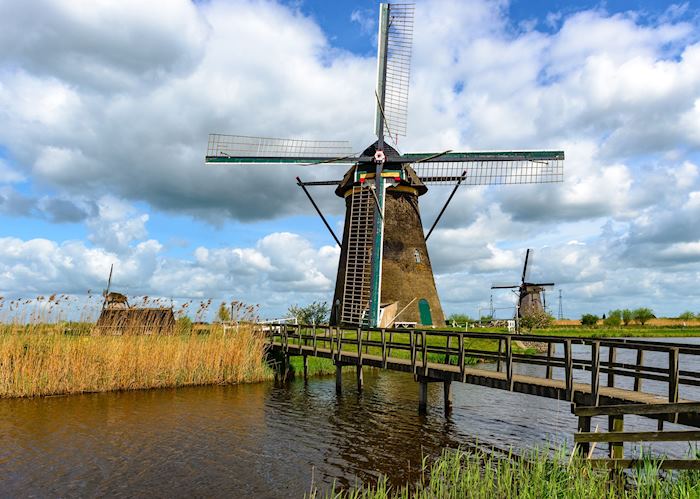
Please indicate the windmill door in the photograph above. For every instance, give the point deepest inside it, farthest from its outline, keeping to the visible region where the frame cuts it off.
(424, 310)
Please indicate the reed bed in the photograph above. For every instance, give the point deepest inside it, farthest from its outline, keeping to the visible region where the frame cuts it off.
(461, 474)
(46, 361)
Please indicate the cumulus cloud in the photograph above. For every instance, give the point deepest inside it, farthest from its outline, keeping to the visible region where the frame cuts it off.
(106, 109)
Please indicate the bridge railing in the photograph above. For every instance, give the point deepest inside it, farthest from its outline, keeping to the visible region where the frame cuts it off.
(422, 348)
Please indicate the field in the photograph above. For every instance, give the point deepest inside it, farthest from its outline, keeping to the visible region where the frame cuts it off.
(479, 475)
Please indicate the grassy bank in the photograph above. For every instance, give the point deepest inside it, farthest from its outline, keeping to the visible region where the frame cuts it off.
(33, 364)
(622, 332)
(459, 474)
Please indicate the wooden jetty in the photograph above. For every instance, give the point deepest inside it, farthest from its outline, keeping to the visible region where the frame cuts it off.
(589, 379)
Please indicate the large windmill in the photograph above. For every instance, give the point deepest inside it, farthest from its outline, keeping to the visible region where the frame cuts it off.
(530, 294)
(384, 273)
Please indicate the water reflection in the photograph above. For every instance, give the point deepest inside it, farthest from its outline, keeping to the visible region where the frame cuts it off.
(264, 440)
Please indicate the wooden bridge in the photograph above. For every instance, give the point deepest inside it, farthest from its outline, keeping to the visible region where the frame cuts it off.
(590, 380)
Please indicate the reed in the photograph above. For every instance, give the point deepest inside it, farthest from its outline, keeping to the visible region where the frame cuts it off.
(46, 361)
(460, 474)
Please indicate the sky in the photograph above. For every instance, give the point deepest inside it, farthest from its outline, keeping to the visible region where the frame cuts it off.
(105, 112)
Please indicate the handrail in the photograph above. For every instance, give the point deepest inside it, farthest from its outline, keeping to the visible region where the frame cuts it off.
(423, 347)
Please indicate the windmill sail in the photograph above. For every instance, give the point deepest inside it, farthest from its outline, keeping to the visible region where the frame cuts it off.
(393, 69)
(233, 149)
(489, 168)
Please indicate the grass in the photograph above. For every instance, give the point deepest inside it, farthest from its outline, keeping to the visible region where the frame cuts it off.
(46, 361)
(475, 474)
(622, 332)
(481, 344)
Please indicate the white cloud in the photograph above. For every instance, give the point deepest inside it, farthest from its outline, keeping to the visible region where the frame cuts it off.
(108, 108)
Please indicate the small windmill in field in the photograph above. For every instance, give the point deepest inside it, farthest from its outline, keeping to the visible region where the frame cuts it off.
(118, 318)
(530, 294)
(384, 273)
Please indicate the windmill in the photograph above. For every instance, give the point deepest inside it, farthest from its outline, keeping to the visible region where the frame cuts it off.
(530, 294)
(118, 318)
(113, 300)
(384, 264)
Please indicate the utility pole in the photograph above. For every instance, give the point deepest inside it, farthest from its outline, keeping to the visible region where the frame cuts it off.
(561, 310)
(491, 306)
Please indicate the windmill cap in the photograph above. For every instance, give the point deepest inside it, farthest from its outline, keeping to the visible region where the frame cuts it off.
(390, 153)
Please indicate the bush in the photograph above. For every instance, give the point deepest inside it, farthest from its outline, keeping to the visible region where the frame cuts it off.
(687, 316)
(626, 316)
(223, 314)
(642, 315)
(614, 318)
(589, 320)
(459, 319)
(536, 320)
(314, 313)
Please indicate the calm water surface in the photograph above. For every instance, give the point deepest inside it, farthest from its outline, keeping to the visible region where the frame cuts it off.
(265, 440)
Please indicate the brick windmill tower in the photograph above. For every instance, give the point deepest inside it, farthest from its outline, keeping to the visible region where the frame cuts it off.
(384, 273)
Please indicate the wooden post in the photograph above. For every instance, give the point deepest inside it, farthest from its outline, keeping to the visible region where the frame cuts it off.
(359, 378)
(637, 379)
(306, 367)
(331, 343)
(569, 371)
(384, 348)
(461, 357)
(447, 391)
(616, 449)
(340, 344)
(422, 395)
(424, 345)
(584, 425)
(595, 372)
(338, 378)
(412, 340)
(550, 349)
(673, 366)
(509, 362)
(359, 346)
(612, 358)
(315, 347)
(447, 349)
(498, 362)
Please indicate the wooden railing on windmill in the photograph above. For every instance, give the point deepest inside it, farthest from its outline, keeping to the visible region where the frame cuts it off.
(384, 274)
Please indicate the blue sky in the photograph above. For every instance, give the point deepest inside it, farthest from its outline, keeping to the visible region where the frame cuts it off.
(103, 132)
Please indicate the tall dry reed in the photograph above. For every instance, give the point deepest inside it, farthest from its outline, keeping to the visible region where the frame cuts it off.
(33, 364)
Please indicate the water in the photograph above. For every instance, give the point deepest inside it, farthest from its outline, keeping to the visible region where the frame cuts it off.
(264, 440)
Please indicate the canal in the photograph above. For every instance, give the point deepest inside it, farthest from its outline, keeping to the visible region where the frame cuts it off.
(266, 440)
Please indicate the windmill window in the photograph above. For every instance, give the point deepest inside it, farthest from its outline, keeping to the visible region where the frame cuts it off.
(416, 254)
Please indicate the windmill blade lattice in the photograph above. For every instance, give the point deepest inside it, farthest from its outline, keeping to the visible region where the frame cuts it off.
(233, 149)
(492, 168)
(395, 43)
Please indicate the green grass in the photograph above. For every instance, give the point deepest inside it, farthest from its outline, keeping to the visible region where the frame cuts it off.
(483, 344)
(622, 332)
(475, 474)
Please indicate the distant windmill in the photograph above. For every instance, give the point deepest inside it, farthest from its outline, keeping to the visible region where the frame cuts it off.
(384, 264)
(113, 300)
(530, 294)
(118, 318)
